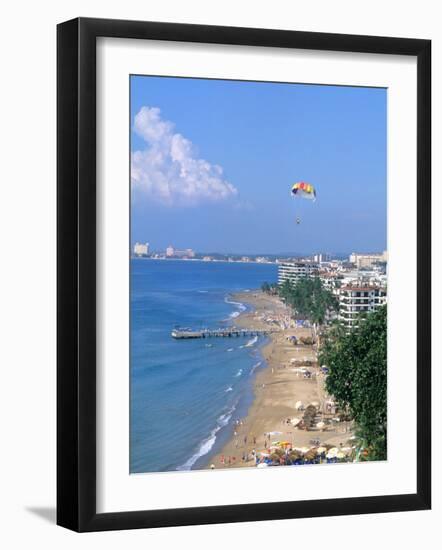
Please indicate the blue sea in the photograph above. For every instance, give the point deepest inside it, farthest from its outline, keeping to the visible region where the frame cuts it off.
(186, 394)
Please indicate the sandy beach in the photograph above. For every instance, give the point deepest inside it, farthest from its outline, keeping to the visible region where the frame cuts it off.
(278, 388)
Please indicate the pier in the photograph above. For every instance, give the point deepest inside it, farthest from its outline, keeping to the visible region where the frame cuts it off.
(180, 334)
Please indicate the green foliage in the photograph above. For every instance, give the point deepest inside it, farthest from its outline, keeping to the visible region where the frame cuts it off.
(309, 298)
(285, 291)
(265, 287)
(357, 377)
(269, 288)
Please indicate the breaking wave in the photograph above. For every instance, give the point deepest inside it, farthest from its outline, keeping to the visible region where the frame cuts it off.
(255, 366)
(251, 342)
(208, 443)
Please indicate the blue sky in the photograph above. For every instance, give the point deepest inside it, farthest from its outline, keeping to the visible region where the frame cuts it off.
(213, 163)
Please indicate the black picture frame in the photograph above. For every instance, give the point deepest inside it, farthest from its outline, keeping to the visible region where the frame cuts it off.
(77, 287)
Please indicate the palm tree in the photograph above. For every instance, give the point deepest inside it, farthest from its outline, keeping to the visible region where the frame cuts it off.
(286, 291)
(265, 287)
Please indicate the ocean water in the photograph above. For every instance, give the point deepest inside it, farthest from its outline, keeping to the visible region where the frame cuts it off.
(186, 394)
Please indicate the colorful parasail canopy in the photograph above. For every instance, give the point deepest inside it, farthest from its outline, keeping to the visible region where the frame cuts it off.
(304, 190)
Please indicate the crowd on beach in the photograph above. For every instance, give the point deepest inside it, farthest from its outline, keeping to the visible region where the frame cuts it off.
(285, 453)
(316, 431)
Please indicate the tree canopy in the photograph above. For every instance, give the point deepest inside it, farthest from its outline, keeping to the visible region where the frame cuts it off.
(357, 378)
(269, 288)
(309, 298)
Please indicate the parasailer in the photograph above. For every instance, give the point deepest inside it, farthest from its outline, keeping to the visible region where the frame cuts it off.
(303, 190)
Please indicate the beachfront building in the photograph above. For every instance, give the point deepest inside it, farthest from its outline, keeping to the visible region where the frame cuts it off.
(367, 260)
(357, 299)
(364, 277)
(321, 258)
(172, 252)
(331, 280)
(141, 249)
(293, 271)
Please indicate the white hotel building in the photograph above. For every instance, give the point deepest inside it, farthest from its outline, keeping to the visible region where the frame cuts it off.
(141, 249)
(356, 299)
(367, 260)
(293, 271)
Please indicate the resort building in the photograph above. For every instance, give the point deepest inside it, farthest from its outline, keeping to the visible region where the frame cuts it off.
(367, 260)
(321, 258)
(141, 249)
(294, 271)
(363, 278)
(331, 280)
(357, 299)
(172, 252)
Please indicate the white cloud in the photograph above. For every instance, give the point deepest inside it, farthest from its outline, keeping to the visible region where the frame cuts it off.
(169, 169)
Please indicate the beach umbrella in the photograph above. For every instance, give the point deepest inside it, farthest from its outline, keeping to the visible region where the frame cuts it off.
(295, 455)
(262, 465)
(310, 455)
(320, 425)
(341, 455)
(295, 421)
(332, 453)
(321, 450)
(347, 450)
(302, 450)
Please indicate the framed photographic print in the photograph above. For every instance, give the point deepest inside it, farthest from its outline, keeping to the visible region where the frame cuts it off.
(243, 274)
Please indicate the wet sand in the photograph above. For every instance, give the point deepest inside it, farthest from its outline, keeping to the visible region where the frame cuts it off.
(277, 389)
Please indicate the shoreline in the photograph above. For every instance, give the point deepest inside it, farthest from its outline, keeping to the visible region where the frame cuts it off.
(278, 387)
